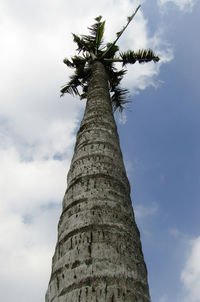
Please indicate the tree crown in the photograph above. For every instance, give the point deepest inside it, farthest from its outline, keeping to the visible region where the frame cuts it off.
(92, 48)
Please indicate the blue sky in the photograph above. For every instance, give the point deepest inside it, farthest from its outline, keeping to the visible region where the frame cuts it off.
(158, 134)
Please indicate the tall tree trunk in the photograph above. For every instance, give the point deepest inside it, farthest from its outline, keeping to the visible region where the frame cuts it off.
(98, 255)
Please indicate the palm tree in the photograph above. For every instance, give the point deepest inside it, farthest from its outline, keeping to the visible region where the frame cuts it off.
(98, 256)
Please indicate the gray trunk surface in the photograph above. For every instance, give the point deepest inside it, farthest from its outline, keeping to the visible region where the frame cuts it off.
(98, 256)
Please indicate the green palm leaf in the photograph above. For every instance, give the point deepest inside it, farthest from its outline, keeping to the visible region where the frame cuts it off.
(115, 77)
(146, 56)
(84, 94)
(118, 99)
(78, 60)
(82, 44)
(128, 57)
(99, 34)
(142, 56)
(95, 39)
(72, 86)
(111, 50)
(68, 63)
(71, 89)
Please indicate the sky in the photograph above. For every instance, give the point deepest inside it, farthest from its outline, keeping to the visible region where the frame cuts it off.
(159, 136)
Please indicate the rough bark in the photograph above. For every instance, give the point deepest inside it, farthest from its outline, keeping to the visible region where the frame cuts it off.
(98, 256)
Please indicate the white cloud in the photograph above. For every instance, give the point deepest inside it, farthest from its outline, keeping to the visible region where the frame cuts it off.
(30, 194)
(163, 298)
(121, 116)
(141, 76)
(144, 214)
(143, 211)
(26, 185)
(25, 254)
(190, 275)
(181, 4)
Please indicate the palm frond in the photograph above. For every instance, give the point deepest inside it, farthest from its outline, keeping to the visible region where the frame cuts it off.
(95, 39)
(111, 50)
(82, 44)
(99, 35)
(68, 63)
(97, 28)
(71, 89)
(142, 56)
(89, 39)
(146, 56)
(115, 77)
(79, 78)
(72, 86)
(128, 57)
(98, 19)
(118, 99)
(84, 94)
(129, 19)
(83, 73)
(121, 31)
(79, 61)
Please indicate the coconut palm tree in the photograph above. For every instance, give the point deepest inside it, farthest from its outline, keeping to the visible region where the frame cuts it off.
(98, 256)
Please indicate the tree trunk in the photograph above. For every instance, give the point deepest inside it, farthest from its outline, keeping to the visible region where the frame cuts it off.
(98, 256)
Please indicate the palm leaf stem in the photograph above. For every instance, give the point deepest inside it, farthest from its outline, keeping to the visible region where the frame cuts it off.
(114, 60)
(93, 57)
(121, 32)
(121, 61)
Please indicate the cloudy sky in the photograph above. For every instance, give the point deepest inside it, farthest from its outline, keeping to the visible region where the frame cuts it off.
(159, 135)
